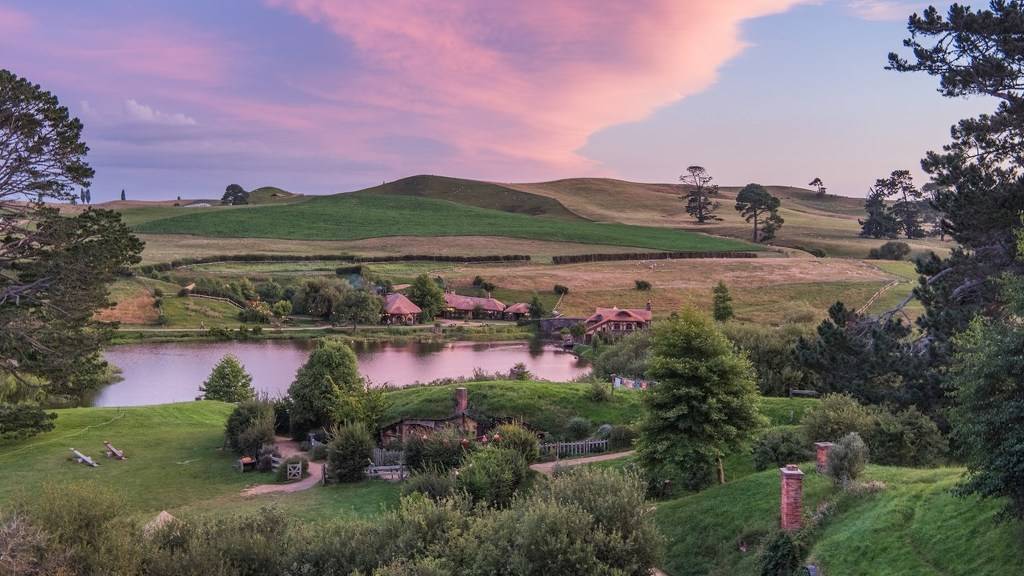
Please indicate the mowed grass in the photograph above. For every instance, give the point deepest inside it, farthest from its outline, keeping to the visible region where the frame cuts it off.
(353, 216)
(175, 462)
(914, 527)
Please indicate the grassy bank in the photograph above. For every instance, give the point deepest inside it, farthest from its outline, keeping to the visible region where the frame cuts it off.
(914, 527)
(353, 216)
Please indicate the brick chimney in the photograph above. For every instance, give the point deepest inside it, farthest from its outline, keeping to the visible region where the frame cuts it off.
(822, 450)
(461, 400)
(791, 508)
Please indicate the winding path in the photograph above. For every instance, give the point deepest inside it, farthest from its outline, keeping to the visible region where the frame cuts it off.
(548, 468)
(287, 448)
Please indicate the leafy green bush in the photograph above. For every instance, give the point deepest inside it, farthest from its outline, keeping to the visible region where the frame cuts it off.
(578, 428)
(835, 416)
(906, 438)
(228, 382)
(318, 451)
(621, 436)
(348, 452)
(776, 448)
(281, 474)
(627, 357)
(250, 426)
(600, 391)
(847, 459)
(780, 556)
(493, 475)
(443, 449)
(433, 483)
(890, 251)
(24, 420)
(642, 285)
(770, 350)
(518, 438)
(561, 290)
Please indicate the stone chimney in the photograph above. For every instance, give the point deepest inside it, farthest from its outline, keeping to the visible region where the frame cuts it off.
(461, 400)
(822, 450)
(792, 504)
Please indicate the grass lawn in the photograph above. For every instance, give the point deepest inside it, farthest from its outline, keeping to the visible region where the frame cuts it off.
(174, 463)
(352, 216)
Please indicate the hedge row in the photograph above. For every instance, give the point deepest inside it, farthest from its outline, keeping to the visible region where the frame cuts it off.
(180, 262)
(578, 258)
(444, 258)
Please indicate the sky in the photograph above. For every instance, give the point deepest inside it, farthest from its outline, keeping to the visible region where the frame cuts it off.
(183, 97)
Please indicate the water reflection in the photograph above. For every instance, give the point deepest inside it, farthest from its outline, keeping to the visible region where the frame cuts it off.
(157, 373)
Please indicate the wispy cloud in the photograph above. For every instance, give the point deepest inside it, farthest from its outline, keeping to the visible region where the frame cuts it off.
(888, 9)
(143, 113)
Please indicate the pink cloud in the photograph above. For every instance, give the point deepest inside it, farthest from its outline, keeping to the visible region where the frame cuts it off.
(529, 81)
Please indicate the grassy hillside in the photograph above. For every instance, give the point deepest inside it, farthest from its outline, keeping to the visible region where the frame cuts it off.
(914, 527)
(271, 195)
(353, 216)
(549, 405)
(488, 195)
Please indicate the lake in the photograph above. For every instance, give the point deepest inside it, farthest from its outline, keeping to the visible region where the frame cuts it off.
(157, 373)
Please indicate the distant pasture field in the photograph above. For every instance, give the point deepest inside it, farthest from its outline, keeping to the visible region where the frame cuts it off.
(355, 216)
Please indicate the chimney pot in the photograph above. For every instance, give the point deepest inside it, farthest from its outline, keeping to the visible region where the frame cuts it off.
(791, 501)
(821, 450)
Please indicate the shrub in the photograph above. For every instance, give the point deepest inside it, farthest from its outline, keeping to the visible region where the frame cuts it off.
(282, 407)
(434, 483)
(600, 391)
(282, 470)
(281, 308)
(492, 475)
(776, 448)
(250, 426)
(561, 290)
(847, 459)
(516, 437)
(906, 438)
(265, 459)
(578, 428)
(621, 436)
(444, 450)
(158, 293)
(890, 251)
(835, 416)
(642, 285)
(318, 452)
(780, 556)
(348, 452)
(519, 372)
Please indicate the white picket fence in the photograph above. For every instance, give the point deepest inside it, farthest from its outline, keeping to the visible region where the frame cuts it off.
(579, 448)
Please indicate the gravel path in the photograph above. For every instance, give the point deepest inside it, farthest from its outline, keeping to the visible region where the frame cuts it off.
(288, 448)
(548, 468)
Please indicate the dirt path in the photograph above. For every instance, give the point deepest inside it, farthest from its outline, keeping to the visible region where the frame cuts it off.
(288, 448)
(548, 468)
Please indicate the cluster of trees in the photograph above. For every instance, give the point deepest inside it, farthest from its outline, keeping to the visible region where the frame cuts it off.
(753, 202)
(54, 270)
(896, 207)
(234, 195)
(336, 300)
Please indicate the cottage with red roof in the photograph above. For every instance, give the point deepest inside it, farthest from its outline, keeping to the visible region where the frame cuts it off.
(517, 311)
(471, 307)
(613, 323)
(400, 310)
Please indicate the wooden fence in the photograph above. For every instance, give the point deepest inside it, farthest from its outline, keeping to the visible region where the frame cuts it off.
(579, 448)
(384, 457)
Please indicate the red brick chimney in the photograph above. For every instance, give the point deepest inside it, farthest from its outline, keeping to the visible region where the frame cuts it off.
(822, 450)
(461, 400)
(792, 505)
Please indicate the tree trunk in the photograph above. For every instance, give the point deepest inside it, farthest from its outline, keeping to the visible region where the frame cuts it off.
(721, 470)
(755, 227)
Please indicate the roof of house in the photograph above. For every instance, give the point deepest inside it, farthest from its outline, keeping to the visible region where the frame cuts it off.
(518, 308)
(398, 304)
(470, 303)
(602, 315)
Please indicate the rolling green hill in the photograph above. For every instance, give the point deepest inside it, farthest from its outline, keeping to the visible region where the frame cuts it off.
(272, 195)
(367, 215)
(477, 193)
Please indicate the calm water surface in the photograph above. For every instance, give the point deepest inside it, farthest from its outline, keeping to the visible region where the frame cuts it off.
(158, 373)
